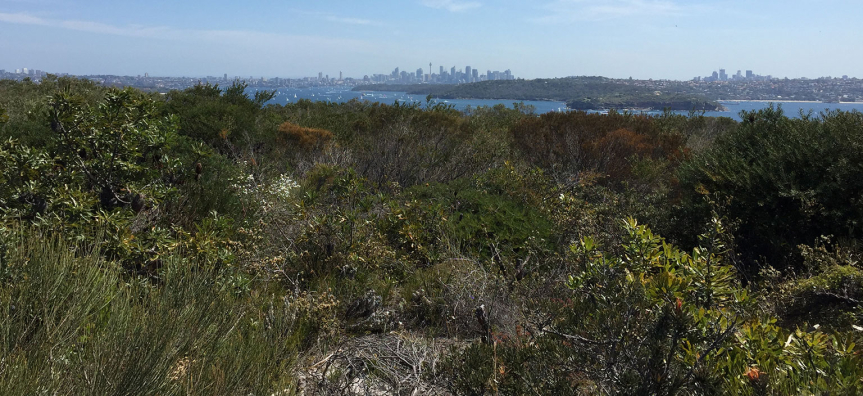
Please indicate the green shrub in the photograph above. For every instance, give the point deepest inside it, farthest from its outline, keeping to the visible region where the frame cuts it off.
(656, 320)
(71, 323)
(214, 115)
(27, 106)
(785, 181)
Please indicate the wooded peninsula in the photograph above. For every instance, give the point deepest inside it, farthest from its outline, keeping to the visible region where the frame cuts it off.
(579, 93)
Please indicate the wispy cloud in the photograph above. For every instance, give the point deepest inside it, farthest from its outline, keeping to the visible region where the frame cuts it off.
(337, 18)
(587, 10)
(352, 21)
(23, 19)
(452, 5)
(171, 33)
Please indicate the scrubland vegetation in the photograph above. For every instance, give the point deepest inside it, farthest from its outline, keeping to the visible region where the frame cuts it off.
(201, 242)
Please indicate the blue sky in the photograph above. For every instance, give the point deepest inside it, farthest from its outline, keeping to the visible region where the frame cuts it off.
(540, 38)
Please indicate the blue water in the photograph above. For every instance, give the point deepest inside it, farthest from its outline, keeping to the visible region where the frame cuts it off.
(791, 109)
(341, 94)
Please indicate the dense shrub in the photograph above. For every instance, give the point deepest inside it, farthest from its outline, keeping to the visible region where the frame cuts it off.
(409, 146)
(655, 320)
(214, 115)
(27, 104)
(71, 323)
(569, 144)
(105, 163)
(785, 181)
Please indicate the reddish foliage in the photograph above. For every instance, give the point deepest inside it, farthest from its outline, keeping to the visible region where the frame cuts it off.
(306, 138)
(753, 374)
(576, 142)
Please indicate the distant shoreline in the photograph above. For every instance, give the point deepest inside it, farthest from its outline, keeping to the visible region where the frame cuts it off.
(782, 101)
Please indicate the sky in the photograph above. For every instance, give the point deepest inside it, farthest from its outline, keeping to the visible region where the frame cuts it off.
(660, 39)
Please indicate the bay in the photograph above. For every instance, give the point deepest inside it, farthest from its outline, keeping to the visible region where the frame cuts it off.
(345, 94)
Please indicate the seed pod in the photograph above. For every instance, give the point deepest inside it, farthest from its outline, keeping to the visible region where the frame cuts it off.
(138, 203)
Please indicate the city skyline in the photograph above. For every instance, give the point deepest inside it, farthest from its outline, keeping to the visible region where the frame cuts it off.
(661, 39)
(719, 74)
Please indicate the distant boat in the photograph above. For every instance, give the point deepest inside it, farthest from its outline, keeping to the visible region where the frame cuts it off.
(295, 96)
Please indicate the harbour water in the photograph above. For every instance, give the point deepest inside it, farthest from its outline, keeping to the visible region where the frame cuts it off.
(344, 94)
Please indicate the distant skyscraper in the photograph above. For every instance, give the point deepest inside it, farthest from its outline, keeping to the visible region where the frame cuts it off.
(452, 74)
(226, 76)
(420, 74)
(340, 76)
(475, 75)
(467, 74)
(320, 76)
(722, 75)
(441, 71)
(749, 75)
